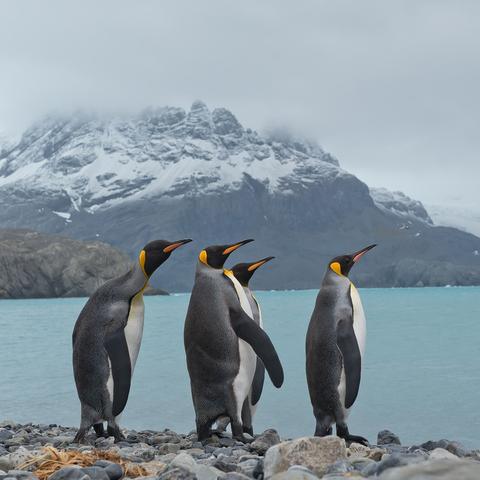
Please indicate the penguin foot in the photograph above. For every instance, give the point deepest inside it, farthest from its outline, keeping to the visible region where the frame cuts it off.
(80, 436)
(115, 433)
(248, 430)
(343, 432)
(241, 438)
(357, 439)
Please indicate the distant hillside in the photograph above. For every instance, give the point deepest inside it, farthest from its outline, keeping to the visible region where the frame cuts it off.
(34, 265)
(170, 173)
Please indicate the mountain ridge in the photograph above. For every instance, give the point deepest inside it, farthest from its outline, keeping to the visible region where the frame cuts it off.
(169, 173)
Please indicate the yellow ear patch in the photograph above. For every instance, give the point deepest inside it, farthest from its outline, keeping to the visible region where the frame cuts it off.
(335, 266)
(203, 257)
(141, 260)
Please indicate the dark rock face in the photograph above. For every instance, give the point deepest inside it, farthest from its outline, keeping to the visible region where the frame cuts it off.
(168, 173)
(35, 265)
(386, 437)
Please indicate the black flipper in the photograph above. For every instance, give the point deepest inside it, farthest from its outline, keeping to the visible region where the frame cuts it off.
(117, 349)
(352, 360)
(258, 379)
(250, 332)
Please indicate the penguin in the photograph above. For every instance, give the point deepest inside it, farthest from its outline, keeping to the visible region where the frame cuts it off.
(243, 272)
(335, 345)
(106, 341)
(222, 342)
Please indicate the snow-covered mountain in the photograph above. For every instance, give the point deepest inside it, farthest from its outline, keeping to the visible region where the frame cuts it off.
(400, 204)
(166, 152)
(171, 173)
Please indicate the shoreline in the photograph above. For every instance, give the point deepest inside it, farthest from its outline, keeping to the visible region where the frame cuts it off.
(30, 451)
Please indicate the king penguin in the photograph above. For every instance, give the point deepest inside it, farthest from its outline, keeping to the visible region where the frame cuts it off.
(222, 343)
(106, 341)
(335, 345)
(243, 272)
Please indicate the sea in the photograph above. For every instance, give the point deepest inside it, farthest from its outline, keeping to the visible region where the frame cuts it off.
(420, 378)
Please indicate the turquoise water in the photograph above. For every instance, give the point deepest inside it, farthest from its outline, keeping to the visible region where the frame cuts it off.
(421, 374)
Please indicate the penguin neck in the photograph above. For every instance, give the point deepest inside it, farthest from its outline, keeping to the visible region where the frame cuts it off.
(207, 270)
(137, 280)
(333, 278)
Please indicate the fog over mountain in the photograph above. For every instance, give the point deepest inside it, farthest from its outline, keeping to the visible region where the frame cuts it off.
(390, 87)
(170, 173)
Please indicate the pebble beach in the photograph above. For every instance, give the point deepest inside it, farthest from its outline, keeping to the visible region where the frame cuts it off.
(30, 452)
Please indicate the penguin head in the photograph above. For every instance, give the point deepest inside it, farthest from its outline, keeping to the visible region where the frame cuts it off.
(156, 252)
(243, 271)
(215, 256)
(342, 265)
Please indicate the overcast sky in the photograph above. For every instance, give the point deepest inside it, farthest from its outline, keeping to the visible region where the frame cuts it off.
(391, 88)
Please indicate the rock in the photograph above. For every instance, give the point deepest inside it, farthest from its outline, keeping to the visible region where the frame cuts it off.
(5, 463)
(390, 461)
(247, 467)
(441, 454)
(104, 443)
(158, 439)
(265, 440)
(176, 474)
(315, 453)
(83, 268)
(236, 476)
(435, 469)
(168, 458)
(113, 470)
(21, 455)
(386, 437)
(204, 472)
(222, 451)
(96, 473)
(224, 465)
(340, 467)
(297, 472)
(185, 462)
(168, 448)
(357, 450)
(21, 474)
(195, 452)
(5, 434)
(227, 442)
(453, 447)
(9, 424)
(362, 464)
(69, 473)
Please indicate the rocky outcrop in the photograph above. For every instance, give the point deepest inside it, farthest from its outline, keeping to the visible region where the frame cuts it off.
(34, 265)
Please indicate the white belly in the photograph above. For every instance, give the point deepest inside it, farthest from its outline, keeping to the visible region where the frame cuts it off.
(342, 391)
(243, 381)
(248, 359)
(134, 328)
(360, 329)
(133, 335)
(359, 322)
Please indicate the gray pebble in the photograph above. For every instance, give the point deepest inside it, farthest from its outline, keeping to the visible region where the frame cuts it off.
(69, 473)
(96, 473)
